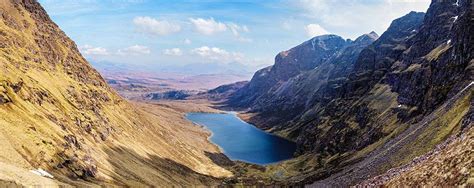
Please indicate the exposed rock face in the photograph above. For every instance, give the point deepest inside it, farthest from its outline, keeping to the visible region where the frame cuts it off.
(425, 75)
(416, 77)
(281, 96)
(369, 69)
(288, 64)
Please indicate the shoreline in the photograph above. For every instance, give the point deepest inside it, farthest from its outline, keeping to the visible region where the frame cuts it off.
(235, 114)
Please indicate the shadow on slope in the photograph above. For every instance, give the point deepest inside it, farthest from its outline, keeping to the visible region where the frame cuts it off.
(220, 159)
(133, 169)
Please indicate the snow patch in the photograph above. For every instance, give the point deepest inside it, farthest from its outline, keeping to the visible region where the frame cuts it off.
(457, 3)
(41, 172)
(455, 18)
(469, 85)
(449, 41)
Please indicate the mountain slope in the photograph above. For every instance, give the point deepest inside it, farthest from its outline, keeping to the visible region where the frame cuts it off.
(287, 65)
(404, 94)
(363, 95)
(58, 114)
(284, 98)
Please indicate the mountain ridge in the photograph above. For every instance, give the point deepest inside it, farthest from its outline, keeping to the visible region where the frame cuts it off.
(376, 111)
(407, 82)
(58, 114)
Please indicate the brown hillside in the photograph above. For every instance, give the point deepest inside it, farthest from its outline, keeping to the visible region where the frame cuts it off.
(58, 114)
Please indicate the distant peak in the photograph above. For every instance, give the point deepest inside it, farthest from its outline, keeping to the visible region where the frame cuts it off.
(326, 36)
(367, 38)
(373, 35)
(414, 14)
(322, 41)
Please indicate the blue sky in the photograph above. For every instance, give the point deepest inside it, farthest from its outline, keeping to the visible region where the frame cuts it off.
(247, 32)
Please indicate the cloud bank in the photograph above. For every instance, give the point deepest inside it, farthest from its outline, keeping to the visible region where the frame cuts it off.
(155, 27)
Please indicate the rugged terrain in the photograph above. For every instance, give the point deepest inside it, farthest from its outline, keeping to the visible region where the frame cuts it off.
(359, 108)
(58, 114)
(391, 110)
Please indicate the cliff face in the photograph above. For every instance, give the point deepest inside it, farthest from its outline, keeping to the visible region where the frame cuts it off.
(288, 64)
(58, 114)
(363, 95)
(425, 75)
(279, 96)
(391, 101)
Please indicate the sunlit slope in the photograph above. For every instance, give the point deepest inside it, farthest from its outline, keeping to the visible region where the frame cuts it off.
(57, 113)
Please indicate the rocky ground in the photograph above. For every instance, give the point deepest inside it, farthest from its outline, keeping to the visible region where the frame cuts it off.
(397, 152)
(448, 164)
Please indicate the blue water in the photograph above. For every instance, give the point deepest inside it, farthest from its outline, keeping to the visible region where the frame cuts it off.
(243, 141)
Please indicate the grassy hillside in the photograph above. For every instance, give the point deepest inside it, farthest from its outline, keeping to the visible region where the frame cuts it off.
(58, 114)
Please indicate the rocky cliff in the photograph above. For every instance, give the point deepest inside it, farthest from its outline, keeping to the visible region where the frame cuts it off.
(361, 109)
(280, 96)
(288, 64)
(58, 114)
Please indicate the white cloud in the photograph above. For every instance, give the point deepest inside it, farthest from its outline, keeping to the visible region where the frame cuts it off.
(237, 30)
(187, 41)
(173, 52)
(134, 50)
(93, 51)
(245, 29)
(315, 30)
(355, 17)
(154, 26)
(206, 51)
(218, 54)
(207, 26)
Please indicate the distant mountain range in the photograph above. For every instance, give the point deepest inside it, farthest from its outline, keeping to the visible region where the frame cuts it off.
(184, 69)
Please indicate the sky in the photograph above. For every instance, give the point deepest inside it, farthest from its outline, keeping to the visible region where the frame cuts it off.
(234, 33)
